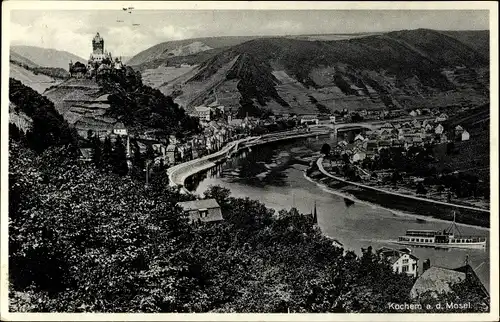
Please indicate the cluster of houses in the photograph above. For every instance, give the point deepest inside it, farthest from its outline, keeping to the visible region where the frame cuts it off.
(403, 134)
(206, 113)
(433, 279)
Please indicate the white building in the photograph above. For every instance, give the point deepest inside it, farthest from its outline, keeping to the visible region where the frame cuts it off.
(439, 129)
(401, 261)
(202, 112)
(359, 155)
(465, 136)
(441, 118)
(416, 124)
(309, 119)
(119, 129)
(458, 131)
(359, 137)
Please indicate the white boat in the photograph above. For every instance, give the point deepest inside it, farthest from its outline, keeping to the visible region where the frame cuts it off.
(448, 238)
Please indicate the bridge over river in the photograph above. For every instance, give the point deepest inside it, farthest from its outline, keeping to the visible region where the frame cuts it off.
(368, 125)
(178, 174)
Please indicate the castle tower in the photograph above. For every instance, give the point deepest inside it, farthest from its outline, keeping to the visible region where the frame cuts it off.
(98, 44)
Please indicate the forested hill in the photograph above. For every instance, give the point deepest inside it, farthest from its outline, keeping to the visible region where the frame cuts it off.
(401, 69)
(48, 128)
(142, 107)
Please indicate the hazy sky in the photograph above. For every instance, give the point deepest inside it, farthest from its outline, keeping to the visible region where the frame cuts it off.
(73, 30)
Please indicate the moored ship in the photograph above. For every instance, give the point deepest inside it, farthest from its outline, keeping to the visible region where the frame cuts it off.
(448, 238)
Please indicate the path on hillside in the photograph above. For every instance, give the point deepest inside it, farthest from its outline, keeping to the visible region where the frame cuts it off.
(322, 169)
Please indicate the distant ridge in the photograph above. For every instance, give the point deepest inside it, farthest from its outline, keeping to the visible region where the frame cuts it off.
(46, 57)
(396, 70)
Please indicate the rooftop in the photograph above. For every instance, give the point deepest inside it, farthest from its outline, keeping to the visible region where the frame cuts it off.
(436, 279)
(199, 204)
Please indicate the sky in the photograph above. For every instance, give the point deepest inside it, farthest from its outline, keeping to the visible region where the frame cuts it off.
(72, 31)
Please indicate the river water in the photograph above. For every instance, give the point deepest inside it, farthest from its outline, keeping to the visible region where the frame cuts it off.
(274, 175)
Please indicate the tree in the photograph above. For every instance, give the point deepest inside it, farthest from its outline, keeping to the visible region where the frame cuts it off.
(119, 158)
(356, 117)
(138, 158)
(450, 148)
(421, 189)
(396, 177)
(325, 149)
(81, 240)
(150, 153)
(107, 153)
(97, 155)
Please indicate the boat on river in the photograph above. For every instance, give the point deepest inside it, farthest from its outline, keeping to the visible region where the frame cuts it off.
(448, 238)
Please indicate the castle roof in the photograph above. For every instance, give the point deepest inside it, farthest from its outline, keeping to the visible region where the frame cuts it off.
(97, 38)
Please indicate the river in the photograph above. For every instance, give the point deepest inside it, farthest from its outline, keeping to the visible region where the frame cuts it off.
(274, 175)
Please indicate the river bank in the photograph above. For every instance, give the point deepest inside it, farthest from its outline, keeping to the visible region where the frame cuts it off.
(391, 200)
(179, 173)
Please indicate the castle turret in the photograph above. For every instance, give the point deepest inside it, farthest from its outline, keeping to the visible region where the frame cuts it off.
(98, 44)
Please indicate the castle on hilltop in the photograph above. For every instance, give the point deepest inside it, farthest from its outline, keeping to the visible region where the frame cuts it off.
(100, 62)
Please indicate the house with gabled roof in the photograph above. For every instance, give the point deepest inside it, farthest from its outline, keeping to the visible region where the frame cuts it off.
(119, 129)
(359, 155)
(359, 137)
(438, 280)
(406, 125)
(204, 210)
(387, 125)
(439, 129)
(384, 133)
(86, 154)
(397, 143)
(401, 260)
(342, 143)
(384, 144)
(465, 136)
(416, 124)
(441, 118)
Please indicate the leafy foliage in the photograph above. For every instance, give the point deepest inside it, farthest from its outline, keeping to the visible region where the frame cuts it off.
(138, 105)
(325, 149)
(82, 240)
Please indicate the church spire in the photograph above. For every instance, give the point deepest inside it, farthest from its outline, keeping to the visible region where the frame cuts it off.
(315, 215)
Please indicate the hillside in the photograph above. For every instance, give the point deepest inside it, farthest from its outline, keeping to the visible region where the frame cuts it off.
(477, 40)
(15, 57)
(185, 47)
(35, 115)
(46, 57)
(39, 82)
(82, 103)
(98, 106)
(403, 69)
(176, 52)
(32, 75)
